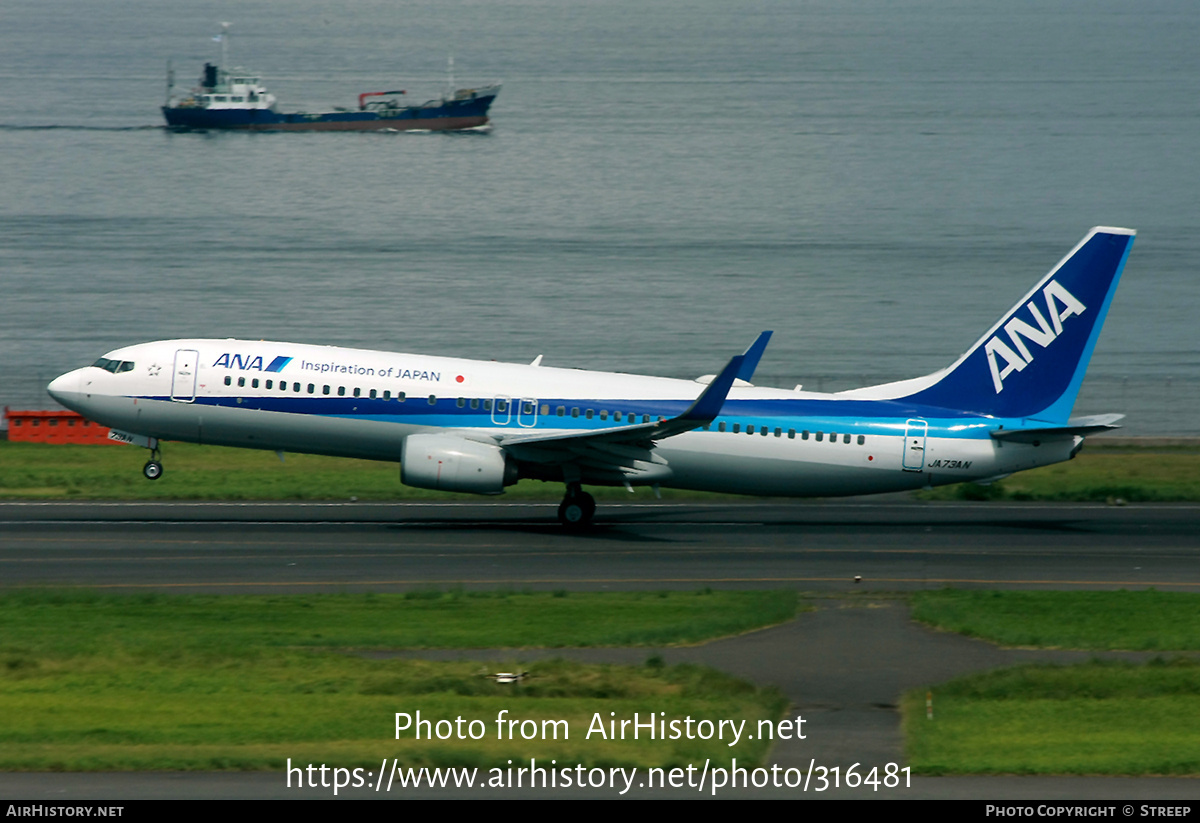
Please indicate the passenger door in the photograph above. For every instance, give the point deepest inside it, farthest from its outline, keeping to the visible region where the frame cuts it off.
(915, 434)
(183, 385)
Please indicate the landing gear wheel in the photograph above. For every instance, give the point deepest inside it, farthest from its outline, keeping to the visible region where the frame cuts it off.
(576, 510)
(153, 470)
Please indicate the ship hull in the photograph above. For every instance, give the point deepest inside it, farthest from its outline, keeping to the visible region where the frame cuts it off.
(450, 116)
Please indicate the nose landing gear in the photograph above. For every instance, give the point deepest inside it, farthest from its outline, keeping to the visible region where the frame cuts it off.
(577, 508)
(153, 468)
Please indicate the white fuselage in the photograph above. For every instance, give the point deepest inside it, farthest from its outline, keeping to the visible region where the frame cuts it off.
(364, 404)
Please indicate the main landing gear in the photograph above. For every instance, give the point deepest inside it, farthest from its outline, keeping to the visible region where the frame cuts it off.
(153, 468)
(577, 508)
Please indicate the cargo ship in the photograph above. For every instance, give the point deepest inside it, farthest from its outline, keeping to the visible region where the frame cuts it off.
(238, 100)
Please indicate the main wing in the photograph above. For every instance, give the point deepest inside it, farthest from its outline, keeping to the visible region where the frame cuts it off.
(622, 454)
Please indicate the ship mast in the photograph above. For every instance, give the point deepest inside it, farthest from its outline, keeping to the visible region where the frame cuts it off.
(223, 39)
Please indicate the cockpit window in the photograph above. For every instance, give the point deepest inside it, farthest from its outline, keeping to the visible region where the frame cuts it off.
(114, 366)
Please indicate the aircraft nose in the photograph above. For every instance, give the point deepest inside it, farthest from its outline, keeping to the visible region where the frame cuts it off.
(64, 386)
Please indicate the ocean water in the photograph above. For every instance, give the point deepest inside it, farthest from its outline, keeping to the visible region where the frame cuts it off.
(875, 181)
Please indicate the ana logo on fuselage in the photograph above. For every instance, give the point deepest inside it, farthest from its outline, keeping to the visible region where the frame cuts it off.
(251, 362)
(1060, 304)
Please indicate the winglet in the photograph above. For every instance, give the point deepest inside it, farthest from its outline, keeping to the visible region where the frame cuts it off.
(752, 355)
(708, 404)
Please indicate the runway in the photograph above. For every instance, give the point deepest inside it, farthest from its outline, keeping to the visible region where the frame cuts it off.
(844, 669)
(822, 547)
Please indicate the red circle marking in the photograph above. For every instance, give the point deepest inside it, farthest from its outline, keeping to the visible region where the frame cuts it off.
(460, 378)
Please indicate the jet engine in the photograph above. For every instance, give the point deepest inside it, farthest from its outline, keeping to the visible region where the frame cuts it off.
(452, 464)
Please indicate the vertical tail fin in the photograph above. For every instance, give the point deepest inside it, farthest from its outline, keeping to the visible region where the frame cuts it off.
(1032, 361)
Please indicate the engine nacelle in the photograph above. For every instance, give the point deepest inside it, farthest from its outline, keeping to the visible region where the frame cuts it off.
(452, 464)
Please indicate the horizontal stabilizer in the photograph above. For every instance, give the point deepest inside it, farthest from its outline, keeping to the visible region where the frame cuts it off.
(1076, 427)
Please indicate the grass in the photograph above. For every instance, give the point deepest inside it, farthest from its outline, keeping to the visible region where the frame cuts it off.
(1101, 717)
(111, 472)
(72, 622)
(105, 472)
(193, 712)
(1132, 620)
(1097, 718)
(100, 682)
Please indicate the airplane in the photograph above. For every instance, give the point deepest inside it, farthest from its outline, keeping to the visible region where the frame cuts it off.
(477, 426)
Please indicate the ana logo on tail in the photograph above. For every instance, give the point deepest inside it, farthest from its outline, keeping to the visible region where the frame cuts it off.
(1060, 304)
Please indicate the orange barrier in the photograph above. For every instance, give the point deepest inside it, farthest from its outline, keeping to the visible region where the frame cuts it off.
(46, 426)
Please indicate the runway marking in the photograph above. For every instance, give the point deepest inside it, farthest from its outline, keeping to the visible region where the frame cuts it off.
(263, 551)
